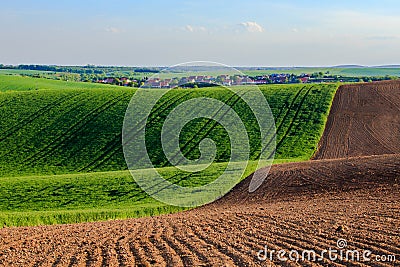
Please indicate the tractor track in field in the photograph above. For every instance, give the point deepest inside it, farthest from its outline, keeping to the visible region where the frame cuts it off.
(204, 126)
(13, 129)
(273, 128)
(212, 122)
(303, 99)
(293, 119)
(115, 145)
(76, 105)
(281, 123)
(21, 144)
(350, 191)
(74, 130)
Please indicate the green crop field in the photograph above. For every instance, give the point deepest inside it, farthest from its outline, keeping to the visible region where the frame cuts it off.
(344, 72)
(20, 83)
(61, 154)
(23, 72)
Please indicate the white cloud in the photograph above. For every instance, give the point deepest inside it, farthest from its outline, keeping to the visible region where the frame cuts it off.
(189, 28)
(252, 26)
(113, 30)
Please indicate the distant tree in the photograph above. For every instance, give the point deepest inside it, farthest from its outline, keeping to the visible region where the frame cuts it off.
(117, 81)
(235, 78)
(388, 77)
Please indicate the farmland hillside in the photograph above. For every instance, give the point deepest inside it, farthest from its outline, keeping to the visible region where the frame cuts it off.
(61, 158)
(59, 131)
(301, 206)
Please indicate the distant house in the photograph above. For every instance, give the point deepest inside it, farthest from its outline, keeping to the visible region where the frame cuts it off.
(125, 81)
(192, 79)
(183, 80)
(247, 80)
(304, 79)
(164, 84)
(108, 80)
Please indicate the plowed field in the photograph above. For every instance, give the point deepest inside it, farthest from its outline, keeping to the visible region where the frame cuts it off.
(364, 120)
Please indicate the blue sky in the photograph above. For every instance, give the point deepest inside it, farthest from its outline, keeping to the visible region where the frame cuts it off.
(162, 33)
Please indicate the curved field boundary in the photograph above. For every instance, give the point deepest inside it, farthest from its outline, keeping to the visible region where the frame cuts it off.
(292, 214)
(289, 180)
(297, 98)
(159, 110)
(364, 120)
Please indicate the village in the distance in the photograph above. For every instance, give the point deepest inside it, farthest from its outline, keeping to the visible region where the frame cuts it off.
(155, 78)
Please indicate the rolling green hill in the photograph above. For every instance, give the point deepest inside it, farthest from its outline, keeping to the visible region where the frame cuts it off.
(21, 83)
(72, 131)
(61, 155)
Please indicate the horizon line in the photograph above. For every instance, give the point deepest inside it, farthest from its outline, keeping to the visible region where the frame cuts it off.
(234, 66)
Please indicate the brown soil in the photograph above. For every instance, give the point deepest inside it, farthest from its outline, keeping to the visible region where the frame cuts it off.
(364, 121)
(300, 206)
